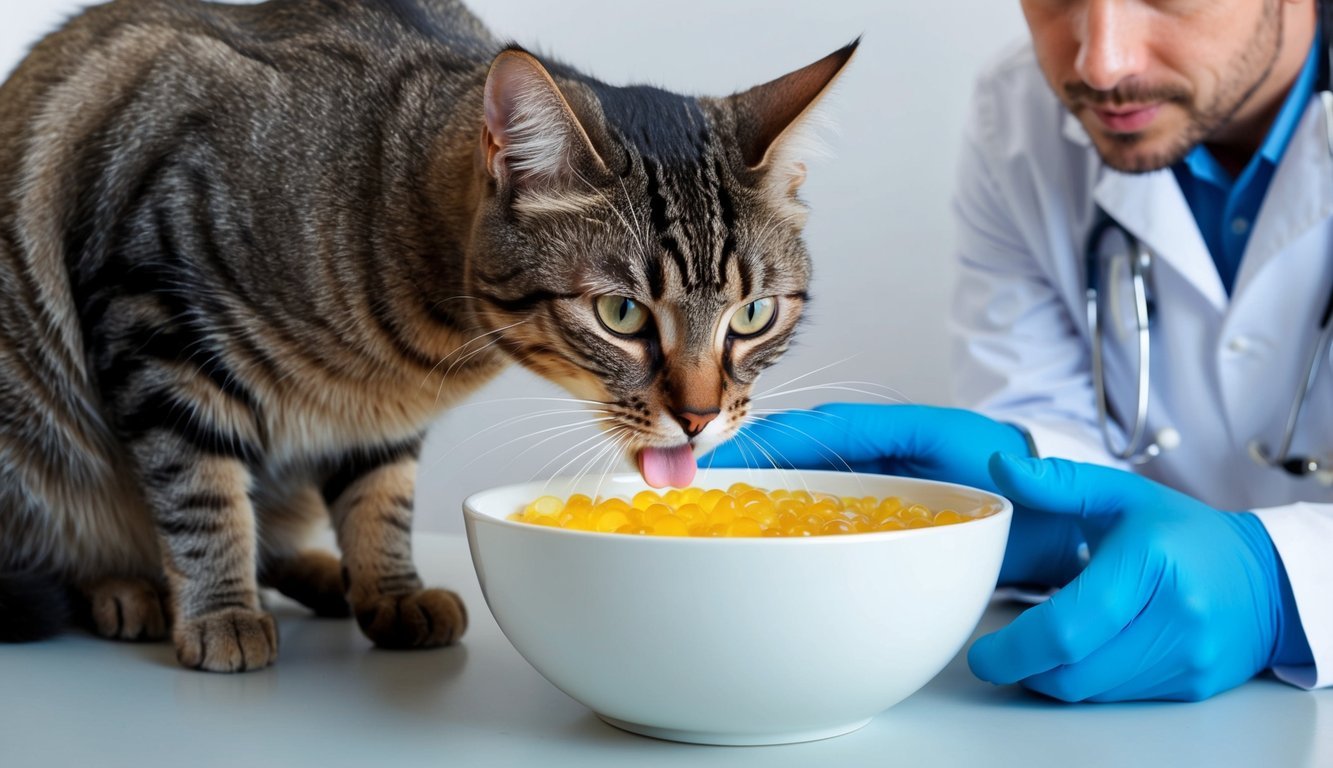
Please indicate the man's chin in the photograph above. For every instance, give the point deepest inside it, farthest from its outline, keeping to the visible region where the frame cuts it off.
(1135, 153)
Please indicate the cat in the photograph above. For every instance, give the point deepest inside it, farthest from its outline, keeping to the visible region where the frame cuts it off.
(249, 253)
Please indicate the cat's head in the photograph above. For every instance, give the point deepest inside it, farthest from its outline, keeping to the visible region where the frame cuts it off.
(643, 249)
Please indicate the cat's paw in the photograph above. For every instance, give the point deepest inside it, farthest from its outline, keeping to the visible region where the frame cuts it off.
(127, 609)
(233, 640)
(314, 580)
(423, 619)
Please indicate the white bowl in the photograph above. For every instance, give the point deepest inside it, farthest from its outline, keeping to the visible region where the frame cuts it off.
(739, 641)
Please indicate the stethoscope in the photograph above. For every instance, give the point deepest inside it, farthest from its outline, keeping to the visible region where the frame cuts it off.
(1139, 446)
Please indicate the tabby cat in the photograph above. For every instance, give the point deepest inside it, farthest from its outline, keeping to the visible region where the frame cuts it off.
(249, 253)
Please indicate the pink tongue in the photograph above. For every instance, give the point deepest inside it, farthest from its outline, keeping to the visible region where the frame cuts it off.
(661, 467)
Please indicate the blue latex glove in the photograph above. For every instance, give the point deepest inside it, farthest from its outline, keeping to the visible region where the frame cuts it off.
(1180, 601)
(948, 444)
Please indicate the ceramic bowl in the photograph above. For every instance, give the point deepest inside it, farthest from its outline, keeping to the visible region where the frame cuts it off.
(739, 640)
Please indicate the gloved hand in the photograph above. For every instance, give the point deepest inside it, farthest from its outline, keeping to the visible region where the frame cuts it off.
(948, 444)
(1180, 601)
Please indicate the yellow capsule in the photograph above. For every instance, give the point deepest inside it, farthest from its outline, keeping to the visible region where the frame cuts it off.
(610, 521)
(548, 506)
(835, 527)
(915, 512)
(545, 520)
(799, 530)
(670, 525)
(691, 495)
(890, 524)
(947, 517)
(919, 522)
(744, 526)
(737, 489)
(724, 506)
(709, 499)
(654, 513)
(722, 514)
(700, 530)
(672, 498)
(645, 499)
(692, 512)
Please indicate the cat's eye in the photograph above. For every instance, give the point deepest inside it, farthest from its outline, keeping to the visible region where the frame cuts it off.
(754, 318)
(621, 314)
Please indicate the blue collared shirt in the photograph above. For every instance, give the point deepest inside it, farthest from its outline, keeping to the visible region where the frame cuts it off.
(1224, 208)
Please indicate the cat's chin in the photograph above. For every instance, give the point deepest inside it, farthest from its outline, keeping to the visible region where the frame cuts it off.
(664, 467)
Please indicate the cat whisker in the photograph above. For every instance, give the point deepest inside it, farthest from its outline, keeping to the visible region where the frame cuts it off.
(463, 347)
(515, 420)
(608, 447)
(559, 430)
(561, 455)
(855, 387)
(825, 451)
(807, 374)
(619, 444)
(532, 399)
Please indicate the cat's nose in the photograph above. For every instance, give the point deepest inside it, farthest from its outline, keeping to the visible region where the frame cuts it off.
(693, 422)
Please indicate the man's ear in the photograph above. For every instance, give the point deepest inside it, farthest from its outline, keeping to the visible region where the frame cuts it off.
(531, 138)
(770, 117)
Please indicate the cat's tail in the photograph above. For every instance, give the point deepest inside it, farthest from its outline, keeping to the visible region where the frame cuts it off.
(33, 606)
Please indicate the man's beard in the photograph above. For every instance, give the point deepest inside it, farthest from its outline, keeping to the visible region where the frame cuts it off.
(1201, 121)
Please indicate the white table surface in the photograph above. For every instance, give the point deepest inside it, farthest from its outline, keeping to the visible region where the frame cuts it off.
(333, 700)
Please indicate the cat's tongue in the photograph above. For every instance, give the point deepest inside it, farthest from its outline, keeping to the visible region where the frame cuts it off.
(661, 467)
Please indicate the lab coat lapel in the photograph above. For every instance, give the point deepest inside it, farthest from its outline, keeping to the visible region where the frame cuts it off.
(1299, 197)
(1153, 209)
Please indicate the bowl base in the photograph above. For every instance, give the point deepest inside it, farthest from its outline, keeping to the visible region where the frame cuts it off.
(734, 739)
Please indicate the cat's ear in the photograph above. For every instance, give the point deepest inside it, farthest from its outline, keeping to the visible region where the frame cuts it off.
(531, 137)
(769, 117)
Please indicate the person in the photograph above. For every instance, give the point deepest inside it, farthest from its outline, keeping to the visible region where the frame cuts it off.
(1192, 537)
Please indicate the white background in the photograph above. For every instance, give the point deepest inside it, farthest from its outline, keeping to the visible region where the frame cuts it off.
(880, 232)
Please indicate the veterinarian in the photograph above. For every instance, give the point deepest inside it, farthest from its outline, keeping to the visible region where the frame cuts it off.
(1145, 248)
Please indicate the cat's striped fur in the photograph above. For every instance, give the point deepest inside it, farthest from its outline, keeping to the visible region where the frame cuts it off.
(248, 253)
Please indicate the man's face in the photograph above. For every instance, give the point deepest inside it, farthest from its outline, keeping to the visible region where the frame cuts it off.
(1150, 79)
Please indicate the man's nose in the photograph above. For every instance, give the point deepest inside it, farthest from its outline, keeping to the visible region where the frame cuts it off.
(1112, 43)
(693, 422)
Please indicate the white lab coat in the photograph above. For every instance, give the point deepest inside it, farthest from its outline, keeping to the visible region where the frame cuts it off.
(1224, 371)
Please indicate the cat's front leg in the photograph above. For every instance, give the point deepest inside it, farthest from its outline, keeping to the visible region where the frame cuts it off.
(197, 483)
(370, 499)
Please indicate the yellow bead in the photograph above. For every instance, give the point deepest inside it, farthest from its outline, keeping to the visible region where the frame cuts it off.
(744, 526)
(549, 506)
(691, 495)
(645, 499)
(670, 525)
(722, 514)
(947, 517)
(654, 513)
(610, 521)
(914, 512)
(737, 489)
(835, 527)
(709, 499)
(692, 513)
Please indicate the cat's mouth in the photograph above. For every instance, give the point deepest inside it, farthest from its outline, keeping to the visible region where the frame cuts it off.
(662, 467)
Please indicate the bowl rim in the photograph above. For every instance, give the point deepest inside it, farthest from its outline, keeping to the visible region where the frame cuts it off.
(472, 514)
